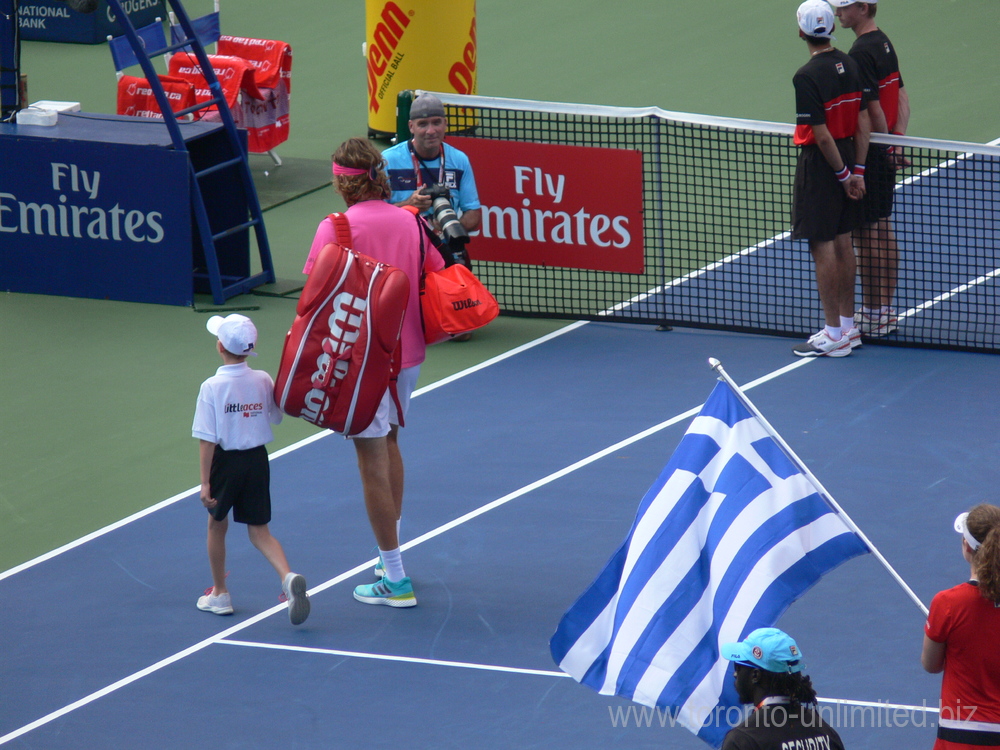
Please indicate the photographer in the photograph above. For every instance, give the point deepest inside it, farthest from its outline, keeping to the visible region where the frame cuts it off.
(425, 170)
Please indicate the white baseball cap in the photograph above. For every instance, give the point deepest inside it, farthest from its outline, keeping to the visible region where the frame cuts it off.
(845, 3)
(816, 18)
(236, 332)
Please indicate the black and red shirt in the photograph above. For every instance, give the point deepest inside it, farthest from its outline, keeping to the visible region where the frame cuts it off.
(880, 77)
(828, 91)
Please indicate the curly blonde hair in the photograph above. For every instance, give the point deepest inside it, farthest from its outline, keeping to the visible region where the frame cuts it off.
(983, 523)
(359, 153)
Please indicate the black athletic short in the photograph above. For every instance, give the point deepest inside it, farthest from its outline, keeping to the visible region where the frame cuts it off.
(821, 209)
(241, 481)
(880, 181)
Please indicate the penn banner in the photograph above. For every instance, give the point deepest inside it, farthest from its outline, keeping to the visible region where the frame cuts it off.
(566, 206)
(417, 44)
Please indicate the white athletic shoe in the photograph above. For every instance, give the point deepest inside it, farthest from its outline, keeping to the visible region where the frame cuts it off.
(217, 605)
(821, 345)
(294, 587)
(876, 324)
(855, 336)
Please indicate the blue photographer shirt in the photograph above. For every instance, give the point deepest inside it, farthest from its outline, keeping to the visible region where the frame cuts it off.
(457, 176)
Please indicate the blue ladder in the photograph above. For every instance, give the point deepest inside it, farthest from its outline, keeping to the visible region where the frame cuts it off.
(222, 287)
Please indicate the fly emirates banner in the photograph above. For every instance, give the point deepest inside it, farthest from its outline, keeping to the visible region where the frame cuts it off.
(567, 206)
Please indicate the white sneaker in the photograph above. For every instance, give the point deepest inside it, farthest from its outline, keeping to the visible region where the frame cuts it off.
(876, 324)
(217, 605)
(855, 336)
(821, 345)
(294, 587)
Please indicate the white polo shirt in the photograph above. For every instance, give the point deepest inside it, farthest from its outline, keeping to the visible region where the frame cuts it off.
(236, 408)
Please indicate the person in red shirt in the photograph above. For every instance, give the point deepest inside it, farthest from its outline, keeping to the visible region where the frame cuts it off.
(889, 111)
(832, 130)
(961, 638)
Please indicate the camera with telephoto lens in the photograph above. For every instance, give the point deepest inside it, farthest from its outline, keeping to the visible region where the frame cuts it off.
(445, 216)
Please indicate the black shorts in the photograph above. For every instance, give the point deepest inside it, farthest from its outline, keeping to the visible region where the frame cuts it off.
(241, 481)
(821, 209)
(880, 181)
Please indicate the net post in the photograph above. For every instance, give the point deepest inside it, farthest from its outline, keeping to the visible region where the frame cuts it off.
(404, 100)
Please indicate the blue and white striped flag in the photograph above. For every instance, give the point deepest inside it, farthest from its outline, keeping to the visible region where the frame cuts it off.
(727, 538)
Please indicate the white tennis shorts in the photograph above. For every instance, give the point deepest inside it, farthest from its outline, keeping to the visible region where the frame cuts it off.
(387, 414)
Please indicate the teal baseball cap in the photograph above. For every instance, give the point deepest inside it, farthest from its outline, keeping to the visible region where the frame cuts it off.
(767, 648)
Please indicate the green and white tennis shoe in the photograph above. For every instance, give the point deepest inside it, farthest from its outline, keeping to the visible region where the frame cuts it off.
(390, 593)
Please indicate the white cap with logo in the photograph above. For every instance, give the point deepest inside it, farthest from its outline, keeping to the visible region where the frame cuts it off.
(816, 18)
(236, 332)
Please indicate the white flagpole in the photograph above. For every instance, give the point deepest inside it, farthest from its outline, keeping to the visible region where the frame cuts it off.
(724, 376)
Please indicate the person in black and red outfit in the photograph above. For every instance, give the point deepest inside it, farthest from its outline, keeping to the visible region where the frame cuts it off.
(889, 112)
(832, 129)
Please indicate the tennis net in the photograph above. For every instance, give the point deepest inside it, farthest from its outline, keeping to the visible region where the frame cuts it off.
(718, 253)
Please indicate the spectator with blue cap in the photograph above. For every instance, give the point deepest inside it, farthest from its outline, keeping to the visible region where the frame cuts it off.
(768, 673)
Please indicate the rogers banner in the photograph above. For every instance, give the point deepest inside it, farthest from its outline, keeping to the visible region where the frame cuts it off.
(568, 206)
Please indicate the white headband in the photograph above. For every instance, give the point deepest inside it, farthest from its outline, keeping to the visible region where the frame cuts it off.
(963, 529)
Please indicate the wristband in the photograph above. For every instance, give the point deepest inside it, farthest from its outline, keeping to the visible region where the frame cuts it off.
(844, 174)
(859, 169)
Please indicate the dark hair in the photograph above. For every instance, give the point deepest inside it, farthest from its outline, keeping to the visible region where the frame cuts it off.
(796, 686)
(816, 41)
(984, 525)
(359, 153)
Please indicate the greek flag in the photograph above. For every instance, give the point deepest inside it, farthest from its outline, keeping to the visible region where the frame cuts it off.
(727, 538)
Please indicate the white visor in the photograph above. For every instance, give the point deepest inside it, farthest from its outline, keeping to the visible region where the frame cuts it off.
(963, 529)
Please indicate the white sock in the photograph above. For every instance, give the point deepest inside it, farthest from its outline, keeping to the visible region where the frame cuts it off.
(834, 333)
(392, 561)
(846, 324)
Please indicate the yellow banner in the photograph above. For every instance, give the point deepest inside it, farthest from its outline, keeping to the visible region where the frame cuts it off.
(417, 44)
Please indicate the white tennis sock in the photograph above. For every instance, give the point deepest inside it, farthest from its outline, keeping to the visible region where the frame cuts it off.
(392, 561)
(846, 324)
(834, 333)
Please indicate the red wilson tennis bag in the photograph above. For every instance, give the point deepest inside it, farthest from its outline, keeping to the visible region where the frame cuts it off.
(343, 346)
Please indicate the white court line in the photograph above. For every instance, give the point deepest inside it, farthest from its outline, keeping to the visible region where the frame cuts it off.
(512, 670)
(390, 657)
(878, 704)
(358, 568)
(300, 444)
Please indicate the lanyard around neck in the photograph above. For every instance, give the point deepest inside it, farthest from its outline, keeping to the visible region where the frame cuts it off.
(419, 166)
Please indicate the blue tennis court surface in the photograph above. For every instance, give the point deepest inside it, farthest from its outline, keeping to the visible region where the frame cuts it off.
(523, 476)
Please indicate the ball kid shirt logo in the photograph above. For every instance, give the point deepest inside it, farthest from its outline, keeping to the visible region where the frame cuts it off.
(247, 410)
